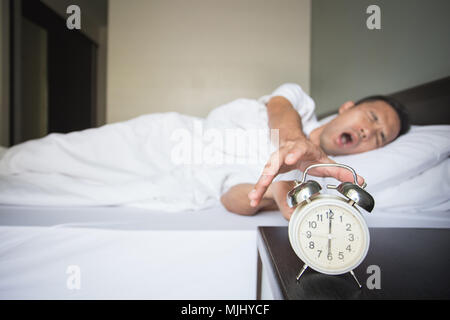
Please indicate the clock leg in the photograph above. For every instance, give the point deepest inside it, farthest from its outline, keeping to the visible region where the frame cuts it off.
(302, 271)
(356, 279)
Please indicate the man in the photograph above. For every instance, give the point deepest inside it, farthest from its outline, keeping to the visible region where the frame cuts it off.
(162, 162)
(368, 124)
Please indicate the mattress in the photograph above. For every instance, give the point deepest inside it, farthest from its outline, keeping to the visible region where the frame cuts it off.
(129, 253)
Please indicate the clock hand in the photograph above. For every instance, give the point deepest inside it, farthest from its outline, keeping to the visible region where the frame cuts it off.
(320, 235)
(329, 225)
(329, 232)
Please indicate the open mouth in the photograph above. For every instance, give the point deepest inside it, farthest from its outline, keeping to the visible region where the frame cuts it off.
(346, 139)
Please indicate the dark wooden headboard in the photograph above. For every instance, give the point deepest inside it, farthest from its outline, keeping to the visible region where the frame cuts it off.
(428, 103)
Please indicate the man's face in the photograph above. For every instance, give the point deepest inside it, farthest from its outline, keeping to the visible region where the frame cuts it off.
(360, 128)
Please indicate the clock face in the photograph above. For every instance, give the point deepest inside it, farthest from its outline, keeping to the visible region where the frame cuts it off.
(329, 236)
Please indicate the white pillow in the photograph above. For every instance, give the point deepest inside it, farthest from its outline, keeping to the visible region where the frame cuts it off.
(428, 191)
(408, 156)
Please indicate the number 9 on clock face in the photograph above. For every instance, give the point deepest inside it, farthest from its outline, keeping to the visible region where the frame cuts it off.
(329, 235)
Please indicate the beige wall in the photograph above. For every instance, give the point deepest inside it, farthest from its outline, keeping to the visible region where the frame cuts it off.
(190, 56)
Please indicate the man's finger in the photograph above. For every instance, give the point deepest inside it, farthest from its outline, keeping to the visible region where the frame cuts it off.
(292, 157)
(340, 174)
(344, 175)
(260, 189)
(269, 173)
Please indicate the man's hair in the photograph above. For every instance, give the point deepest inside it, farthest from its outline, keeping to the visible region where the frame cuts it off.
(398, 107)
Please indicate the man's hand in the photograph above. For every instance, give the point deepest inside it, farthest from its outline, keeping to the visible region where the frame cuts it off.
(280, 190)
(297, 153)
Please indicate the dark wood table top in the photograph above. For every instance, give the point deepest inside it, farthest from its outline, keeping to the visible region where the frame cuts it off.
(414, 264)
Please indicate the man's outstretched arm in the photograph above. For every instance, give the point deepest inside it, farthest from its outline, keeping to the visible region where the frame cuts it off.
(295, 151)
(236, 199)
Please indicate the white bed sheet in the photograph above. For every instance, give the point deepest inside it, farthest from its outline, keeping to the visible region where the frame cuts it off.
(128, 253)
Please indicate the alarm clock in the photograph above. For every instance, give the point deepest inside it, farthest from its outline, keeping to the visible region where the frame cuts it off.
(328, 232)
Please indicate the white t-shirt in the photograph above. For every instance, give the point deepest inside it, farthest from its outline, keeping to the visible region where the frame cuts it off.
(301, 102)
(250, 114)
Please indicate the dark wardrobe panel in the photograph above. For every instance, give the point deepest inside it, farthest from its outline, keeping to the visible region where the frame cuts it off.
(53, 74)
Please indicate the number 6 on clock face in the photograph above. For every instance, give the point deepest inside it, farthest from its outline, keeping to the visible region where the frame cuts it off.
(329, 235)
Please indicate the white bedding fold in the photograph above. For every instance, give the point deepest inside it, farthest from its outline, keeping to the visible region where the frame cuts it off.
(132, 163)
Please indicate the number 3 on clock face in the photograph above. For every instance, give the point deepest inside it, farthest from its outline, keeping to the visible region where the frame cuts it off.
(329, 235)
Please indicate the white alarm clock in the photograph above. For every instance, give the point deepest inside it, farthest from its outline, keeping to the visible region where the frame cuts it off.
(328, 232)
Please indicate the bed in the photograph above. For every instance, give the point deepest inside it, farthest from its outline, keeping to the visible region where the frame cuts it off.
(116, 252)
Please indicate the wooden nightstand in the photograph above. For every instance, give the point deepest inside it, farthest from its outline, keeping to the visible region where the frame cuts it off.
(413, 264)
